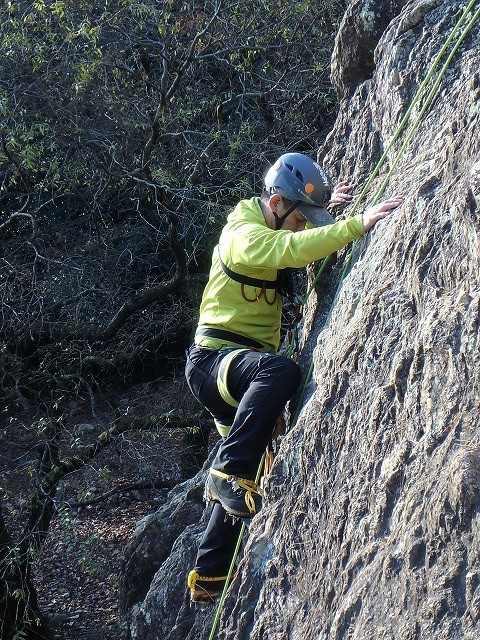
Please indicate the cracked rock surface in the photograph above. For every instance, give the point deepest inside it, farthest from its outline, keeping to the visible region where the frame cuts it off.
(371, 525)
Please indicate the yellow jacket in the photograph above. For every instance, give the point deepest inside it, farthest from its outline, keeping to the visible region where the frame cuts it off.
(249, 247)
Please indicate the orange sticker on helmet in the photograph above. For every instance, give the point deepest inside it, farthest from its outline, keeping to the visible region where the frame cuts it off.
(278, 164)
(309, 188)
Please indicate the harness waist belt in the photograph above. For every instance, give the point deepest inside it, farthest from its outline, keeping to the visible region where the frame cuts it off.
(222, 334)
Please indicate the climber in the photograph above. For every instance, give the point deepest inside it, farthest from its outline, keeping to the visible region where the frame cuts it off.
(232, 368)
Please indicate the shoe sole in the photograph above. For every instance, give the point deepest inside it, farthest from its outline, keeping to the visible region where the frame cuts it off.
(203, 598)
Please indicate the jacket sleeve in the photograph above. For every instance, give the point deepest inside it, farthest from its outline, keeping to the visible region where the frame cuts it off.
(263, 248)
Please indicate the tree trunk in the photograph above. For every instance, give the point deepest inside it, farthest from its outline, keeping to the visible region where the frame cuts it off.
(19, 612)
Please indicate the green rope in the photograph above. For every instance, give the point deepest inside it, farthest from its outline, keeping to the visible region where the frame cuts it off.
(361, 197)
(383, 157)
(413, 103)
(429, 98)
(227, 581)
(232, 564)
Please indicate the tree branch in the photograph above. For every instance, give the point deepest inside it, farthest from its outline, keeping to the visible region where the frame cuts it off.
(14, 218)
(139, 301)
(153, 484)
(42, 502)
(166, 420)
(21, 171)
(167, 94)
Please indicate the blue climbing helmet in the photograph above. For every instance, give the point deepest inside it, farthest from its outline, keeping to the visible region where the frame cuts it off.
(298, 178)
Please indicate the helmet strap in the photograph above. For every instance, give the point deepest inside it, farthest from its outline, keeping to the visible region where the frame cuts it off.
(280, 220)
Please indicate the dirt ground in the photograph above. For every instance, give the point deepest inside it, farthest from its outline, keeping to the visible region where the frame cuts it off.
(78, 572)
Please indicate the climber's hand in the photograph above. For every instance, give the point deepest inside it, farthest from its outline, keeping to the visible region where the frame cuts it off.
(381, 210)
(341, 193)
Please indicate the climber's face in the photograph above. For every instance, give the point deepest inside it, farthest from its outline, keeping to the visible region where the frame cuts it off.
(295, 221)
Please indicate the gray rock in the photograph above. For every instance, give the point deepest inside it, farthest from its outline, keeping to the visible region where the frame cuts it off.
(155, 537)
(371, 525)
(362, 26)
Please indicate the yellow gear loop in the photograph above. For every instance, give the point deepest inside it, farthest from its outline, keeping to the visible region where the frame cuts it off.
(249, 486)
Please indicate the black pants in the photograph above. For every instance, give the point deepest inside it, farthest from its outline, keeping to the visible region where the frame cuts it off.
(262, 383)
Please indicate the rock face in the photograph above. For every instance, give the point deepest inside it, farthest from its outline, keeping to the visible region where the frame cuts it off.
(154, 598)
(371, 526)
(361, 29)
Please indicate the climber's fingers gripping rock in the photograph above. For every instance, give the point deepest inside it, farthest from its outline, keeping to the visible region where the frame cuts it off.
(381, 210)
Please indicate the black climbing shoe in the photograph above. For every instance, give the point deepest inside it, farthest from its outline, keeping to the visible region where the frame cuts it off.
(203, 588)
(239, 497)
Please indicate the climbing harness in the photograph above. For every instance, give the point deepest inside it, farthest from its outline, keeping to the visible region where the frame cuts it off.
(263, 285)
(411, 131)
(227, 356)
(282, 285)
(222, 377)
(229, 336)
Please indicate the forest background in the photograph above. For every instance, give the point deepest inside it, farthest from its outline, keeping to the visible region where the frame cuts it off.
(128, 130)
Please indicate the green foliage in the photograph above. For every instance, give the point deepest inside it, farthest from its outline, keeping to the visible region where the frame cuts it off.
(127, 130)
(83, 84)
